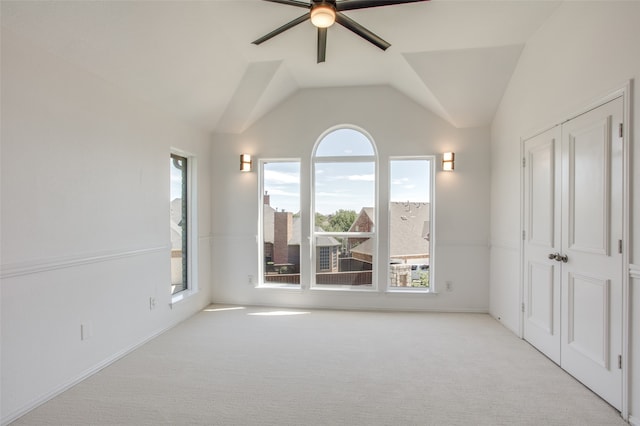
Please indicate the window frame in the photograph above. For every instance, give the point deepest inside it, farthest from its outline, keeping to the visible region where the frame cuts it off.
(191, 286)
(432, 227)
(314, 256)
(260, 282)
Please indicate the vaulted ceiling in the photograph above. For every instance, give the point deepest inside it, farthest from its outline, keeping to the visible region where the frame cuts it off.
(195, 59)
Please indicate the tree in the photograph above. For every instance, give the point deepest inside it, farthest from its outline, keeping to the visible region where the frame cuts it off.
(322, 221)
(342, 220)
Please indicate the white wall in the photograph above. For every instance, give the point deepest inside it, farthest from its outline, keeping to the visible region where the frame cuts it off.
(583, 52)
(399, 127)
(85, 223)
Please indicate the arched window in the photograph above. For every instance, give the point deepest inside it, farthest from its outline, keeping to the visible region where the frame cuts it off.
(344, 243)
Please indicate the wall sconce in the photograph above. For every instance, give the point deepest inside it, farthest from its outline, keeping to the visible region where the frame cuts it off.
(448, 159)
(245, 163)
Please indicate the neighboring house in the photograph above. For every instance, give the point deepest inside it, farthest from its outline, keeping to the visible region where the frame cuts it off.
(177, 243)
(363, 223)
(281, 235)
(328, 253)
(409, 225)
(409, 234)
(176, 224)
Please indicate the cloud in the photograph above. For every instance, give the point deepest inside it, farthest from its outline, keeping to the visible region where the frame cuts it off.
(273, 191)
(275, 177)
(366, 178)
(399, 181)
(334, 194)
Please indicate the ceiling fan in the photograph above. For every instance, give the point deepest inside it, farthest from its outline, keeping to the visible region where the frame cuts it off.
(323, 13)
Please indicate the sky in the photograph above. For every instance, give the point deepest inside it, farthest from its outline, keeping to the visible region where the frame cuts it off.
(176, 182)
(340, 185)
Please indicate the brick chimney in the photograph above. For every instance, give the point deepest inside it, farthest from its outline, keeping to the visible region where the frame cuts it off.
(283, 226)
(267, 198)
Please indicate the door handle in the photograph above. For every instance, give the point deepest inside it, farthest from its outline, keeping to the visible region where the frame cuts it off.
(559, 257)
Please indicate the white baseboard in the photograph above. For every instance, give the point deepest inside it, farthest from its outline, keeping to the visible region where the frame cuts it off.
(10, 417)
(634, 421)
(323, 307)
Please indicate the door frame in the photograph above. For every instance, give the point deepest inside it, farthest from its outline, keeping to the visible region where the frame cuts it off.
(625, 92)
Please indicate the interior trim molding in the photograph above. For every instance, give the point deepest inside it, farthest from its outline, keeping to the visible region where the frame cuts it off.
(38, 266)
(634, 421)
(634, 271)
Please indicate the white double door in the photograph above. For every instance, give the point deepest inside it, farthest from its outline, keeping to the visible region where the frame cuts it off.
(572, 243)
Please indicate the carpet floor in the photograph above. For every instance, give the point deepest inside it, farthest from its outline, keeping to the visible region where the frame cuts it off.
(260, 366)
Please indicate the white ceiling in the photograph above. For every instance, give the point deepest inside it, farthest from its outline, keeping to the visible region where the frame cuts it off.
(195, 58)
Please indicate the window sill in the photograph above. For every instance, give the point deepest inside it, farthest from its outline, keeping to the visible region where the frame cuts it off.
(279, 287)
(352, 289)
(398, 291)
(183, 295)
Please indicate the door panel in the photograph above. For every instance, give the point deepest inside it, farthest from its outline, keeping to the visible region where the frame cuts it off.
(588, 317)
(542, 182)
(591, 323)
(542, 238)
(589, 188)
(540, 288)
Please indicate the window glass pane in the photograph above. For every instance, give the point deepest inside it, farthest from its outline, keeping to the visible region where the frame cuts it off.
(178, 223)
(344, 186)
(410, 223)
(281, 222)
(344, 142)
(344, 196)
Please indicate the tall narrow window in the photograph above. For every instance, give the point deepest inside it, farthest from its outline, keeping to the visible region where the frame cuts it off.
(179, 223)
(410, 224)
(344, 237)
(281, 227)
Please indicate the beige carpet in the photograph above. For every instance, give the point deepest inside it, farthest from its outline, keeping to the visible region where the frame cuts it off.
(232, 367)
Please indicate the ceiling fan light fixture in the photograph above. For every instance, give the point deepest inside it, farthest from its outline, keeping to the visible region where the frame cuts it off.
(323, 16)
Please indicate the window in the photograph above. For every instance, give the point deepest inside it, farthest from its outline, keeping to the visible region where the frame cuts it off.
(344, 213)
(281, 228)
(179, 223)
(325, 259)
(410, 224)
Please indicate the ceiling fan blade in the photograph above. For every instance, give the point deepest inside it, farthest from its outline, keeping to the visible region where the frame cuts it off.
(363, 4)
(282, 29)
(292, 3)
(352, 25)
(322, 44)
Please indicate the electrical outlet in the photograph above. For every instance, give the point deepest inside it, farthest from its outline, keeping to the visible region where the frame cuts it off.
(449, 285)
(86, 331)
(250, 279)
(152, 303)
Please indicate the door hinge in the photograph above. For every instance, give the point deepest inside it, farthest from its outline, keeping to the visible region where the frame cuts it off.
(620, 246)
(620, 130)
(620, 362)
(524, 162)
(522, 307)
(523, 235)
